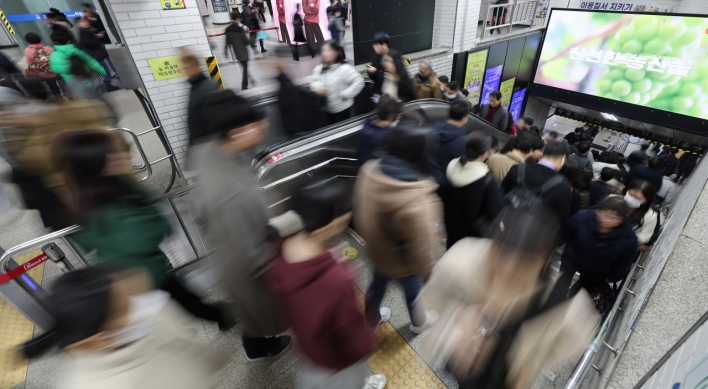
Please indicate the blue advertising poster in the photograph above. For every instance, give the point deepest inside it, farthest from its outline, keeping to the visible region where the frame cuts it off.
(492, 80)
(517, 102)
(34, 17)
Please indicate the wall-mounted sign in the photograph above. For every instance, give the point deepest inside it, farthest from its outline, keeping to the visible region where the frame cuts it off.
(492, 79)
(35, 17)
(164, 68)
(172, 4)
(219, 6)
(636, 6)
(517, 102)
(476, 62)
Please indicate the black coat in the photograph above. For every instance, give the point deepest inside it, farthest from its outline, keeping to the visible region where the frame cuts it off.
(451, 144)
(597, 255)
(687, 163)
(557, 199)
(378, 77)
(298, 23)
(92, 44)
(598, 191)
(301, 110)
(196, 120)
(406, 91)
(470, 210)
(642, 172)
(670, 164)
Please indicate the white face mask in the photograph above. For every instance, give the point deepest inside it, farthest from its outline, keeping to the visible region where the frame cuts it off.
(632, 202)
(449, 96)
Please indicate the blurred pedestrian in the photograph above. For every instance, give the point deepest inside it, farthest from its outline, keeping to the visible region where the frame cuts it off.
(425, 83)
(255, 29)
(396, 83)
(494, 112)
(599, 244)
(473, 200)
(670, 162)
(299, 35)
(495, 328)
(237, 42)
(80, 86)
(687, 163)
(91, 42)
(666, 195)
(335, 26)
(119, 220)
(119, 333)
(259, 7)
(58, 23)
(583, 157)
(396, 212)
(316, 290)
(37, 56)
(96, 23)
(381, 42)
(500, 164)
(600, 187)
(639, 195)
(202, 86)
(371, 138)
(338, 81)
(236, 216)
(639, 169)
(452, 93)
(450, 140)
(60, 59)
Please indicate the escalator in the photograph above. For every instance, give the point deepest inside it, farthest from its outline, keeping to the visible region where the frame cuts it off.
(329, 153)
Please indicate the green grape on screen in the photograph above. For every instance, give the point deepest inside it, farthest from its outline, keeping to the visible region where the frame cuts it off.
(657, 36)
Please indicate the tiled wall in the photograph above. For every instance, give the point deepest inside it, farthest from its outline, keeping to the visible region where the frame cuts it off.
(150, 32)
(538, 110)
(442, 65)
(693, 7)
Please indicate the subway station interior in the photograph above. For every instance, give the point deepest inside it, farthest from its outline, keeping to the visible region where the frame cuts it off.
(284, 96)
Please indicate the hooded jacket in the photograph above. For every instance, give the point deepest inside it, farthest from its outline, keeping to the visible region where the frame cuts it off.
(596, 255)
(60, 61)
(397, 211)
(370, 137)
(451, 144)
(317, 299)
(472, 201)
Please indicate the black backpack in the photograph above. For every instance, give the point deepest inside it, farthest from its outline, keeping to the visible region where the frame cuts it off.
(526, 198)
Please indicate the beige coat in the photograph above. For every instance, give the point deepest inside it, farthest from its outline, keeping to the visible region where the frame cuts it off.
(430, 90)
(401, 221)
(500, 164)
(458, 281)
(237, 224)
(167, 358)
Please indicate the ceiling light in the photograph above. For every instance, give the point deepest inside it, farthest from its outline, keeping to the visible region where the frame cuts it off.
(609, 116)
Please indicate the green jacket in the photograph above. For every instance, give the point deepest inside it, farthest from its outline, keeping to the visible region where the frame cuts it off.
(60, 61)
(126, 234)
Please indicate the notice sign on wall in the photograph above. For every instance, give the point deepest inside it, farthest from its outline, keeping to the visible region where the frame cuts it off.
(476, 63)
(219, 6)
(506, 88)
(172, 4)
(164, 68)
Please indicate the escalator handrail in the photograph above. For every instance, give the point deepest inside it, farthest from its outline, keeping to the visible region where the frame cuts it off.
(305, 171)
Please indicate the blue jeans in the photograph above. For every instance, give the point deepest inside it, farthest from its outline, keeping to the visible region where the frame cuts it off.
(107, 78)
(377, 290)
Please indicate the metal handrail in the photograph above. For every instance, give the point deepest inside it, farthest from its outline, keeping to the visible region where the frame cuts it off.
(305, 171)
(143, 155)
(7, 255)
(513, 7)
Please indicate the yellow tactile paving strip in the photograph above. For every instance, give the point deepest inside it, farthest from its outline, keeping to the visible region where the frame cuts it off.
(15, 330)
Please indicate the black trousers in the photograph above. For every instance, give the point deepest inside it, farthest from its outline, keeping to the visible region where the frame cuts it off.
(53, 85)
(296, 51)
(244, 79)
(562, 290)
(339, 116)
(284, 33)
(189, 301)
(313, 33)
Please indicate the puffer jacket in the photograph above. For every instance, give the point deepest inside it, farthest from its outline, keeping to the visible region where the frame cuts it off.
(398, 213)
(60, 61)
(343, 84)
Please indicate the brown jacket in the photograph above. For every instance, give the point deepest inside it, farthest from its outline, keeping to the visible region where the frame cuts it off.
(429, 90)
(399, 221)
(500, 164)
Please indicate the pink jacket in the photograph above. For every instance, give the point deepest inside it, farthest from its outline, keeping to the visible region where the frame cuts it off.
(29, 53)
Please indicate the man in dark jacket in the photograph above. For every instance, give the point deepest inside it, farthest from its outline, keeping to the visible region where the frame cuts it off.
(451, 139)
(494, 112)
(557, 199)
(201, 87)
(452, 93)
(376, 69)
(599, 189)
(638, 170)
(599, 244)
(583, 157)
(670, 162)
(237, 41)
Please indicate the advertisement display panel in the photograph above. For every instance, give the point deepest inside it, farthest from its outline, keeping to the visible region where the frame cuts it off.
(476, 63)
(314, 17)
(506, 88)
(492, 80)
(517, 102)
(651, 60)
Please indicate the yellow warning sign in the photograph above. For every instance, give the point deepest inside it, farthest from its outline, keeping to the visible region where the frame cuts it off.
(7, 24)
(172, 4)
(214, 72)
(350, 252)
(164, 68)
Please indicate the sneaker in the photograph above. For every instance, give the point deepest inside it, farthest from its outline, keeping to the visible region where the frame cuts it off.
(377, 381)
(385, 314)
(280, 344)
(431, 317)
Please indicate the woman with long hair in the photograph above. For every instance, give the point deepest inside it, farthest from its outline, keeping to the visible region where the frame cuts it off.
(397, 84)
(472, 200)
(117, 217)
(338, 81)
(639, 195)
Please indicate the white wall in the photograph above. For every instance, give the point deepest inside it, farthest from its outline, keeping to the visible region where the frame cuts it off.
(150, 32)
(442, 65)
(694, 7)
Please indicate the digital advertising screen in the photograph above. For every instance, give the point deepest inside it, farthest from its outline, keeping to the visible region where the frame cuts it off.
(476, 63)
(492, 80)
(313, 14)
(517, 102)
(651, 60)
(506, 88)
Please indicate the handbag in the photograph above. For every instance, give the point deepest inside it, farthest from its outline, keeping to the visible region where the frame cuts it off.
(603, 296)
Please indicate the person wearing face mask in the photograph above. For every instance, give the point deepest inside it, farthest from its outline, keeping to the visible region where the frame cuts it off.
(118, 332)
(494, 112)
(472, 200)
(522, 146)
(452, 93)
(558, 198)
(377, 128)
(599, 244)
(640, 195)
